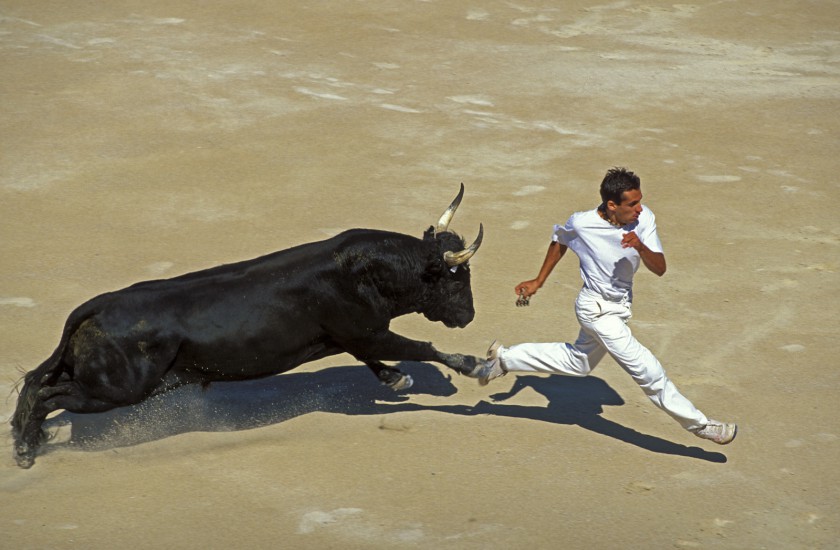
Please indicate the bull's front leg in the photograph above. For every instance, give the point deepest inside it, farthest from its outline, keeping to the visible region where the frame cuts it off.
(464, 364)
(389, 346)
(390, 376)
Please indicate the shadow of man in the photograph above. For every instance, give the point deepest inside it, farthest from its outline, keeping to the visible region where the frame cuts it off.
(580, 401)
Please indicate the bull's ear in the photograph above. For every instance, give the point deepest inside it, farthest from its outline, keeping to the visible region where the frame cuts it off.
(429, 234)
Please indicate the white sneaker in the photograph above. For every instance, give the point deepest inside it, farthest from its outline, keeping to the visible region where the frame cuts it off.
(492, 367)
(719, 432)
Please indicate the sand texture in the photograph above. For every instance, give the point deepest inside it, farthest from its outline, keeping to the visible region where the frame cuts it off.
(144, 140)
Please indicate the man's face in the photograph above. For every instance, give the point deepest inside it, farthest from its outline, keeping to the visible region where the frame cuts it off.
(630, 208)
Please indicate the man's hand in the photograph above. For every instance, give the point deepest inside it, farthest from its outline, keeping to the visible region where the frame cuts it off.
(654, 261)
(631, 240)
(527, 289)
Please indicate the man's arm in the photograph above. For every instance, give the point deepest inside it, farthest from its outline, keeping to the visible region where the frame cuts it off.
(555, 252)
(654, 261)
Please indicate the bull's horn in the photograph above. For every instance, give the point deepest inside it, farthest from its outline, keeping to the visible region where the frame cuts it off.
(443, 222)
(457, 258)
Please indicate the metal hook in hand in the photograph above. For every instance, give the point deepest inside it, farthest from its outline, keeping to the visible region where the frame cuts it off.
(523, 300)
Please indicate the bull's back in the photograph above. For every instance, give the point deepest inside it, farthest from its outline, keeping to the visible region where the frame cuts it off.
(235, 321)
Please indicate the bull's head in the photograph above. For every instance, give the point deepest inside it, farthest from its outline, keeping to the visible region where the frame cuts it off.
(448, 272)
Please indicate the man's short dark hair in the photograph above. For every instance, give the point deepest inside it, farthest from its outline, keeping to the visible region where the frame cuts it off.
(616, 182)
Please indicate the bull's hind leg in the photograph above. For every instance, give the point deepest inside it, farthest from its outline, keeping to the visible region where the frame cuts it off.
(98, 373)
(40, 403)
(390, 376)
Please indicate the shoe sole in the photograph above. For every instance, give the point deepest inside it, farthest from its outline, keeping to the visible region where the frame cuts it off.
(493, 355)
(731, 439)
(493, 350)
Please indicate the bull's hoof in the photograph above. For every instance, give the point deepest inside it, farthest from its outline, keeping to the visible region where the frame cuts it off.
(477, 365)
(402, 383)
(24, 456)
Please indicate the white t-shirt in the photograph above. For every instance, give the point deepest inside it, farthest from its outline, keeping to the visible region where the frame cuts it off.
(606, 267)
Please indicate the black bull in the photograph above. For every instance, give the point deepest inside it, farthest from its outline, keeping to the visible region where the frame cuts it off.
(254, 319)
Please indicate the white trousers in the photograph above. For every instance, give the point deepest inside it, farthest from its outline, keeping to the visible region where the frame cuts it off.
(604, 330)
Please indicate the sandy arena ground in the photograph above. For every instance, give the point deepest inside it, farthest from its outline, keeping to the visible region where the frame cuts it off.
(148, 139)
